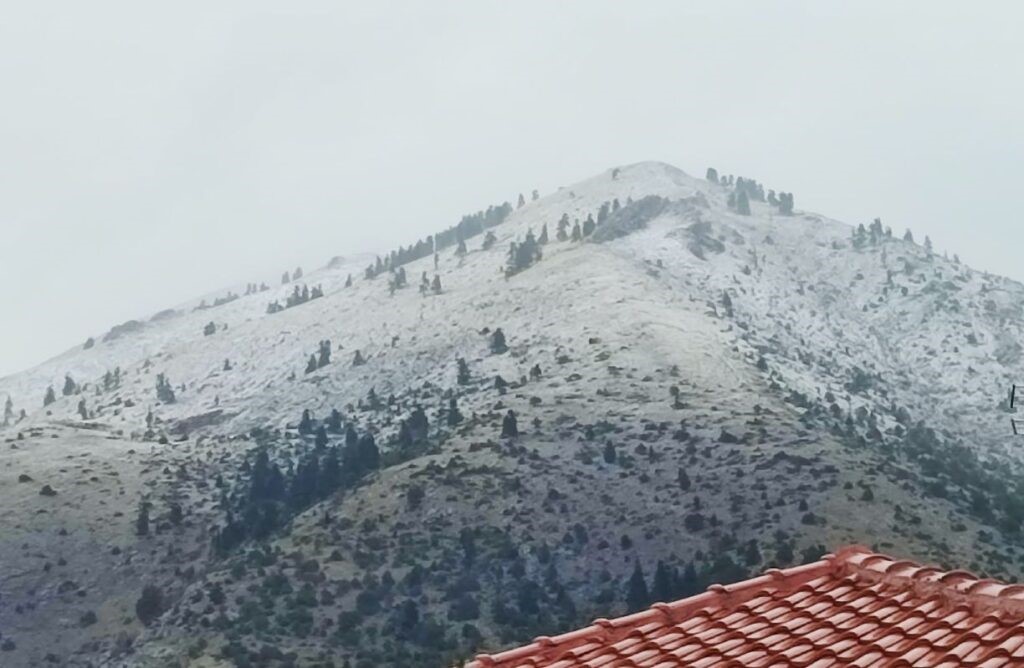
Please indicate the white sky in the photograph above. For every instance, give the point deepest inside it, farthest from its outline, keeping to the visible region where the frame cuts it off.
(153, 152)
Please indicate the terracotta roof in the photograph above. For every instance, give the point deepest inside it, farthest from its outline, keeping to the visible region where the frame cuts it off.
(854, 608)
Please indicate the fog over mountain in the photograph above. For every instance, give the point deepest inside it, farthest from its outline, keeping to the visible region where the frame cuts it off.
(567, 405)
(149, 153)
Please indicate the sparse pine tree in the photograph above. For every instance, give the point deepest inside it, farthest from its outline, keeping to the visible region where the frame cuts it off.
(142, 520)
(563, 224)
(164, 391)
(637, 595)
(306, 423)
(663, 585)
(509, 425)
(454, 416)
(498, 345)
(743, 203)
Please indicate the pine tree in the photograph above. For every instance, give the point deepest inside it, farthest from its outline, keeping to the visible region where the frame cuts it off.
(535, 196)
(311, 364)
(489, 240)
(712, 175)
(743, 203)
(543, 238)
(454, 416)
(908, 236)
(577, 234)
(334, 422)
(69, 386)
(509, 425)
(306, 423)
(609, 452)
(82, 410)
(227, 364)
(142, 521)
(324, 354)
(684, 480)
(927, 243)
(589, 225)
(321, 437)
(348, 281)
(687, 585)
(462, 373)
(50, 396)
(8, 410)
(637, 596)
(662, 587)
(521, 202)
(358, 360)
(563, 225)
(436, 285)
(209, 329)
(498, 345)
(164, 391)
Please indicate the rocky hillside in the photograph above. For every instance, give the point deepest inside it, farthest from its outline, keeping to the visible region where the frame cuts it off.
(613, 394)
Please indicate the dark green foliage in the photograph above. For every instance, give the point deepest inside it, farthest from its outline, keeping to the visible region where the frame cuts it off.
(509, 426)
(522, 255)
(637, 595)
(142, 520)
(663, 587)
(164, 391)
(498, 344)
(743, 204)
(150, 604)
(609, 453)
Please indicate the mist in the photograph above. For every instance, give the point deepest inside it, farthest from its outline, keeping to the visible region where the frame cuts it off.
(150, 154)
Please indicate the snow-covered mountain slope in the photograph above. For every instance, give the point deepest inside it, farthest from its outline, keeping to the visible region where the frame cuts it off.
(817, 386)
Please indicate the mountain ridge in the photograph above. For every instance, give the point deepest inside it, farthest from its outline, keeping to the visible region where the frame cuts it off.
(709, 385)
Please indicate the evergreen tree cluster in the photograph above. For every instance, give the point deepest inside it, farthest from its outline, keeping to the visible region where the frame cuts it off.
(523, 254)
(321, 358)
(471, 225)
(871, 235)
(164, 391)
(300, 295)
(253, 288)
(218, 301)
(746, 190)
(271, 492)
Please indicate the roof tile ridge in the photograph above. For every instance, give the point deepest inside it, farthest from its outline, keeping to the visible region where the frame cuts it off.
(933, 582)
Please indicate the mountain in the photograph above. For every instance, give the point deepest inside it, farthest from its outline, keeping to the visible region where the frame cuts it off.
(698, 392)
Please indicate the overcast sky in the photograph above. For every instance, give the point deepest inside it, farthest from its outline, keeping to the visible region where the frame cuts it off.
(153, 152)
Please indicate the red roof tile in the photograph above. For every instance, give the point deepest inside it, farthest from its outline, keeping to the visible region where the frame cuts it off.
(854, 608)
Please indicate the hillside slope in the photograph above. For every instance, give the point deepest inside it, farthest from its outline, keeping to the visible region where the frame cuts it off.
(710, 391)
